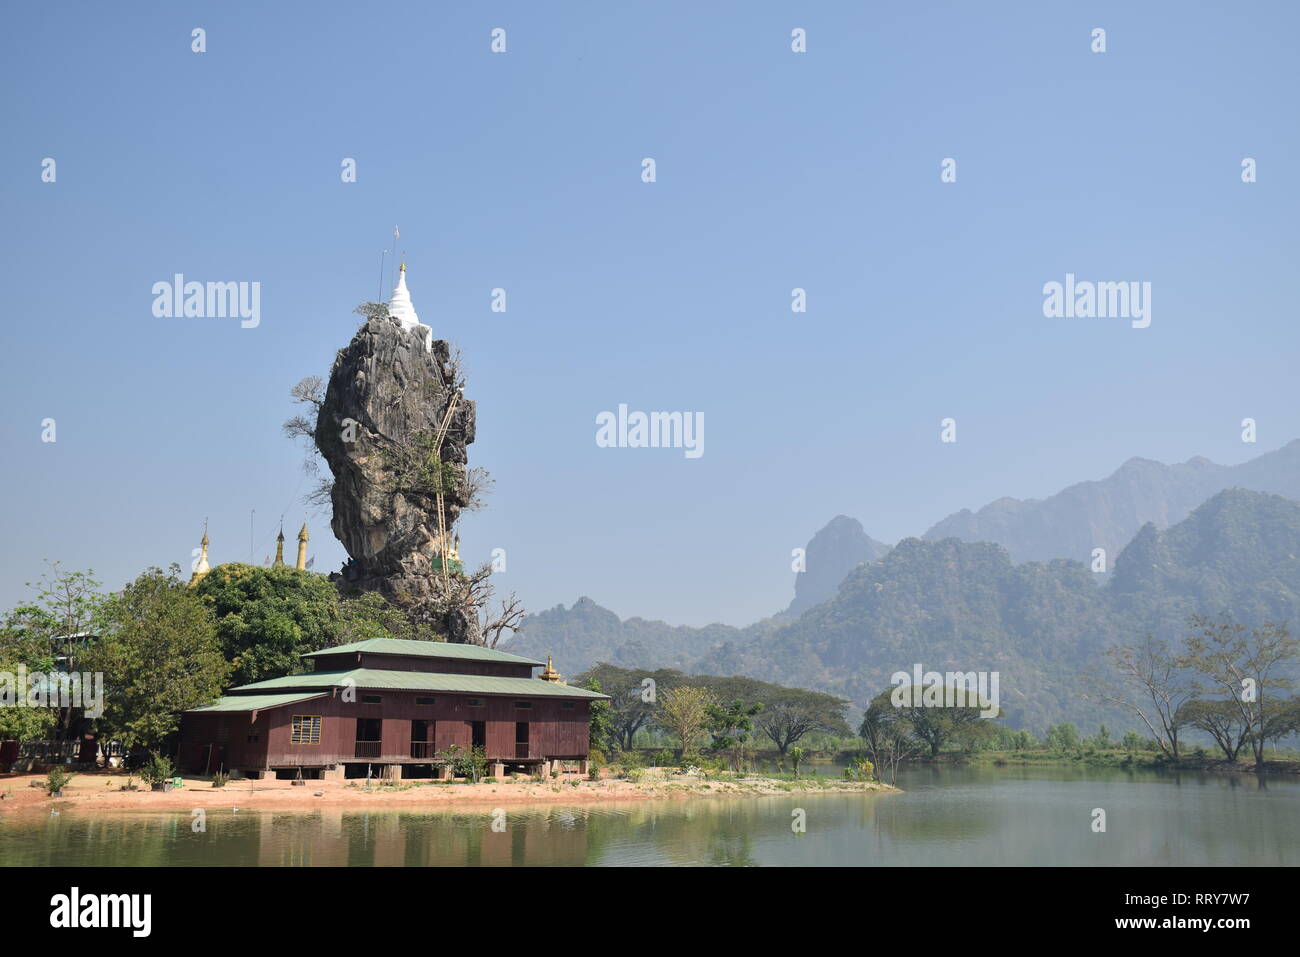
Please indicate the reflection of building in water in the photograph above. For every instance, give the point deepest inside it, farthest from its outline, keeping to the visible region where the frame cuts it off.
(337, 837)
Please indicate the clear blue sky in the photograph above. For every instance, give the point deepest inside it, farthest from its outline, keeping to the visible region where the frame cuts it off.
(522, 171)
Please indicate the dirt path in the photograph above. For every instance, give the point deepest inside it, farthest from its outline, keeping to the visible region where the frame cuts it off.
(100, 791)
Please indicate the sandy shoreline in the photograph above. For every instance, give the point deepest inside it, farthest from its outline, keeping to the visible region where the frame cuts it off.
(99, 792)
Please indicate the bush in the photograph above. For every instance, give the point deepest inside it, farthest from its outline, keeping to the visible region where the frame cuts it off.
(157, 770)
(219, 780)
(56, 780)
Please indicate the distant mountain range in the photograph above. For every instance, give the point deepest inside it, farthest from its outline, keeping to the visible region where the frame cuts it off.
(863, 610)
(586, 633)
(1108, 513)
(961, 606)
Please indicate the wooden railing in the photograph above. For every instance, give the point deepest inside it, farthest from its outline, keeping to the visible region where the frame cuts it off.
(421, 749)
(368, 749)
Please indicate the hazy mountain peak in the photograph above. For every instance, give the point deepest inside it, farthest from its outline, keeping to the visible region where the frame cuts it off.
(1107, 513)
(839, 547)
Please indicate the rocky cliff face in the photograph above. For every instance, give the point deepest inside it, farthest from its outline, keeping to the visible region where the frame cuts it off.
(831, 554)
(393, 429)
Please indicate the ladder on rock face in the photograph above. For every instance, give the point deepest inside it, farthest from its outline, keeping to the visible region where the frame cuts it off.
(438, 439)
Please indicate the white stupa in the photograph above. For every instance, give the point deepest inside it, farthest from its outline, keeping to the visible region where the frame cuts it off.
(400, 308)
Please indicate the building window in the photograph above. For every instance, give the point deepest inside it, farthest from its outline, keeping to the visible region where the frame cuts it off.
(305, 729)
(566, 705)
(371, 699)
(424, 701)
(523, 704)
(475, 702)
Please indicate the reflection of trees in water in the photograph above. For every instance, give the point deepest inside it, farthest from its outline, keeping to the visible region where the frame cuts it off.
(999, 816)
(407, 839)
(704, 832)
(900, 821)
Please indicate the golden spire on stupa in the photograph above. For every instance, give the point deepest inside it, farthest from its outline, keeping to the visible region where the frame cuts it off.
(201, 566)
(279, 549)
(550, 674)
(302, 548)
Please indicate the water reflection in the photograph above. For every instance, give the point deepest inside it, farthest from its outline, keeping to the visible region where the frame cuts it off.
(956, 816)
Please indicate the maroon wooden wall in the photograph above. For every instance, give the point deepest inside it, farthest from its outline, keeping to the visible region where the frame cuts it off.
(554, 732)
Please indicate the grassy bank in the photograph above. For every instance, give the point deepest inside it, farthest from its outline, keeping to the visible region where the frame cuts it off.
(1116, 758)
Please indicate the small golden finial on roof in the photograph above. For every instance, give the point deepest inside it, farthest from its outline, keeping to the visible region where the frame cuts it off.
(302, 534)
(550, 674)
(301, 564)
(279, 548)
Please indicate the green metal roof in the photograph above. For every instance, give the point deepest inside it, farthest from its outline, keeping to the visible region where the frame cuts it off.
(426, 649)
(370, 678)
(254, 702)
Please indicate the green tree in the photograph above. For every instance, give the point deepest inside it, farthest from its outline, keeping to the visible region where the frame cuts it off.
(20, 723)
(1063, 738)
(796, 758)
(600, 726)
(684, 711)
(370, 615)
(160, 657)
(731, 726)
(1221, 720)
(633, 699)
(791, 714)
(56, 629)
(938, 725)
(24, 642)
(268, 617)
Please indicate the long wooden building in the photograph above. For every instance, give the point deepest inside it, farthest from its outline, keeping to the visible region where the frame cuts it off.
(392, 707)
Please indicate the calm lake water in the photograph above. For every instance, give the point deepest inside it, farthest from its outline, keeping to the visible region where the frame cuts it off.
(948, 816)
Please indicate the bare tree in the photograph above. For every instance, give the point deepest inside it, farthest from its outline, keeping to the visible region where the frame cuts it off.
(889, 735)
(1153, 684)
(467, 598)
(492, 628)
(475, 488)
(311, 393)
(1247, 665)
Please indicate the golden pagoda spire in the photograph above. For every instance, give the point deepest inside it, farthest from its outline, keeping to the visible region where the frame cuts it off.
(550, 674)
(279, 548)
(302, 547)
(201, 566)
